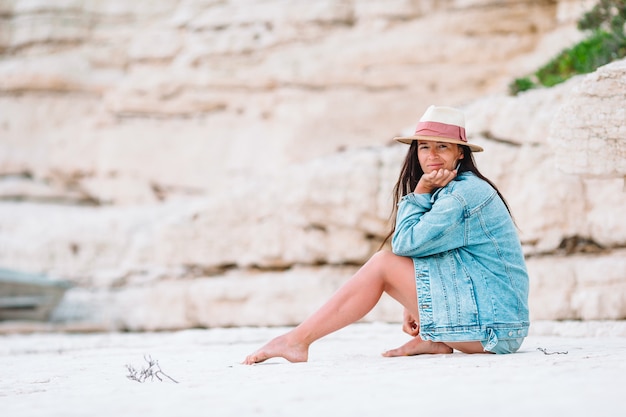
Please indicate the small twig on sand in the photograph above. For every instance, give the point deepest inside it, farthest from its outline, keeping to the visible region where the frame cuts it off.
(152, 371)
(545, 352)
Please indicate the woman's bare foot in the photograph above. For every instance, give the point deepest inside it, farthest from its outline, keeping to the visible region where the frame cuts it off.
(280, 346)
(417, 346)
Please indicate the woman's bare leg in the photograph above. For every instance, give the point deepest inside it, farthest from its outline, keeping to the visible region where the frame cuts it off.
(418, 346)
(468, 347)
(383, 272)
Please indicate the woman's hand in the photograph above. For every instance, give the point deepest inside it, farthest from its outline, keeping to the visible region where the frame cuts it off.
(410, 323)
(435, 179)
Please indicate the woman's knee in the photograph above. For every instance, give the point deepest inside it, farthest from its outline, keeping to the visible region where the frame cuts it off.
(389, 260)
(384, 261)
(396, 271)
(381, 254)
(385, 256)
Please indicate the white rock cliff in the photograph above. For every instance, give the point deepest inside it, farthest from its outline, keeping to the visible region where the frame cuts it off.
(203, 163)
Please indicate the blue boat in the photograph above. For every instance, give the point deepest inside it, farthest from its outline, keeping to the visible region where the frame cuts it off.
(26, 296)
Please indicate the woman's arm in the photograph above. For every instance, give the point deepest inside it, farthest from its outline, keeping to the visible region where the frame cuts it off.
(423, 228)
(410, 323)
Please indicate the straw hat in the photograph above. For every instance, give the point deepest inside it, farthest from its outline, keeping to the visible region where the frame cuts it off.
(441, 124)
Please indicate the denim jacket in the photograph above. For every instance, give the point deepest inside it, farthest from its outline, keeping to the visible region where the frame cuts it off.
(470, 272)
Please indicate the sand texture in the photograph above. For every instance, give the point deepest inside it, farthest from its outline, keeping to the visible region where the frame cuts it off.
(52, 374)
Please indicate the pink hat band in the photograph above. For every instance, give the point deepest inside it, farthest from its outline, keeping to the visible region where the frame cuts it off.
(440, 130)
(441, 124)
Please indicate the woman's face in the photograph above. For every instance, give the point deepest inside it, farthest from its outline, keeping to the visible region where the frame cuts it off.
(438, 155)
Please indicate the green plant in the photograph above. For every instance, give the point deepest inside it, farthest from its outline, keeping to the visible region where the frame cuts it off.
(605, 43)
(597, 50)
(521, 84)
(607, 15)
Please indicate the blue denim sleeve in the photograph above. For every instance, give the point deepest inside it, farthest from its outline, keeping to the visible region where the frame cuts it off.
(424, 228)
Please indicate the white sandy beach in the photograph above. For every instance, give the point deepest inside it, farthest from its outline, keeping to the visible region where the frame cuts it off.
(52, 374)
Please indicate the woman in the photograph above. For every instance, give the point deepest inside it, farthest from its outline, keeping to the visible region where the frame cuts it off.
(456, 264)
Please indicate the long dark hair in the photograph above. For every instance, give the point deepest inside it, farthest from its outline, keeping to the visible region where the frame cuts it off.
(411, 173)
